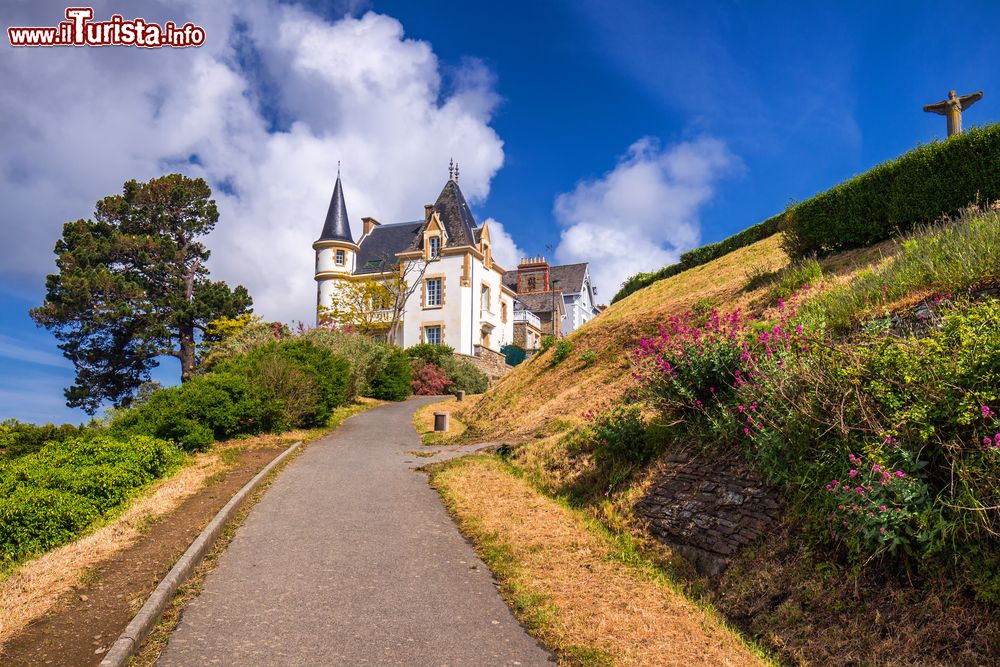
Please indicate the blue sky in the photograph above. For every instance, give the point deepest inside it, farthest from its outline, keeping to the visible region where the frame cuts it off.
(638, 128)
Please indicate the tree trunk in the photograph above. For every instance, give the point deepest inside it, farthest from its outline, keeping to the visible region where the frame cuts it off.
(187, 328)
(186, 353)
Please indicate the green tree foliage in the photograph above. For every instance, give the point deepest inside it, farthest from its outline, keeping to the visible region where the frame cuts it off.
(132, 286)
(430, 353)
(305, 380)
(18, 439)
(464, 376)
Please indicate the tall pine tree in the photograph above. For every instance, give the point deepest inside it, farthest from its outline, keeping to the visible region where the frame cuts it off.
(133, 286)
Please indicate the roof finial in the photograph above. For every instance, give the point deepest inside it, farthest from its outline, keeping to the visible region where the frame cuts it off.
(451, 169)
(456, 172)
(338, 168)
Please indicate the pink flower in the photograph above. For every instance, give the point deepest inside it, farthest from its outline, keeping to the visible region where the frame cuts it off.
(882, 529)
(882, 507)
(900, 473)
(853, 473)
(986, 411)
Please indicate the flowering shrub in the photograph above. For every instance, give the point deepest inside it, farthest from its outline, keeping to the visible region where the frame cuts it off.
(876, 509)
(798, 403)
(428, 379)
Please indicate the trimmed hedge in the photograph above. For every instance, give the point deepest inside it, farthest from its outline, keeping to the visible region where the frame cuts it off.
(921, 186)
(702, 255)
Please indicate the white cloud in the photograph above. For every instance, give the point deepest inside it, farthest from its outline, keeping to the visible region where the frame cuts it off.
(264, 111)
(505, 250)
(642, 214)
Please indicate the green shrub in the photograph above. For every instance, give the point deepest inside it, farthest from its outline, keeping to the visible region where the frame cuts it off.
(514, 354)
(919, 187)
(393, 381)
(563, 349)
(887, 446)
(464, 376)
(18, 439)
(589, 358)
(619, 435)
(431, 354)
(303, 381)
(206, 408)
(758, 276)
(47, 498)
(366, 356)
(546, 343)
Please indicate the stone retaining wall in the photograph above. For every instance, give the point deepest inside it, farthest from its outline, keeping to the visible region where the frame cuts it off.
(708, 509)
(490, 362)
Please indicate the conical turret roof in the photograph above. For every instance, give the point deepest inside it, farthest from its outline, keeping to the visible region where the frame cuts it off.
(337, 227)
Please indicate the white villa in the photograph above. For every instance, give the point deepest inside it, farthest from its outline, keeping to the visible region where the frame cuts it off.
(461, 301)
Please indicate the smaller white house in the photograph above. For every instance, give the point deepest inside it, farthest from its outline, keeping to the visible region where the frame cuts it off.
(461, 300)
(564, 293)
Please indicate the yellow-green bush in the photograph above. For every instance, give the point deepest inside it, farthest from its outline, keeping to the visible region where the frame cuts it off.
(49, 497)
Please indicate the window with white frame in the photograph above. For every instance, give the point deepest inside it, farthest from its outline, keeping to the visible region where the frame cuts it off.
(484, 298)
(341, 255)
(433, 287)
(435, 242)
(432, 335)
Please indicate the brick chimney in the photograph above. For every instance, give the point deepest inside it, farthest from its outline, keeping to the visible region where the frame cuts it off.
(369, 225)
(532, 275)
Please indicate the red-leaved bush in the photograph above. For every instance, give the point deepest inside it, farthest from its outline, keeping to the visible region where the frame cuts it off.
(428, 379)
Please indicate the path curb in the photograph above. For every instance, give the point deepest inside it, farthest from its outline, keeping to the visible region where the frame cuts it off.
(142, 623)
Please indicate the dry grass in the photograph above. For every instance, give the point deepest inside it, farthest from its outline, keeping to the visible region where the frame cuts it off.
(32, 589)
(578, 589)
(423, 420)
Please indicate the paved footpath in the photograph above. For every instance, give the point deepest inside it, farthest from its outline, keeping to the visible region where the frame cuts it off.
(351, 559)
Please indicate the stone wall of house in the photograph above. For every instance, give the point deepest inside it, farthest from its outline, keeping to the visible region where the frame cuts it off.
(707, 508)
(490, 362)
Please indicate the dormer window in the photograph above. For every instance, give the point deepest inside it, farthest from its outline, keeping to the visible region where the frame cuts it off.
(341, 257)
(435, 246)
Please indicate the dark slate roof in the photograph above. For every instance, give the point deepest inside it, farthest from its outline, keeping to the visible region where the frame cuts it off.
(570, 277)
(455, 215)
(542, 302)
(383, 243)
(337, 227)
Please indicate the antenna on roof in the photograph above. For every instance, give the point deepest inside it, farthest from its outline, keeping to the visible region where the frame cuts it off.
(451, 169)
(456, 172)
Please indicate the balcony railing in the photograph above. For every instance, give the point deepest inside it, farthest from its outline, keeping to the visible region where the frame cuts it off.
(529, 317)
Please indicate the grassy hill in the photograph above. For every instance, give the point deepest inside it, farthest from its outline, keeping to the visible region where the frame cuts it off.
(539, 397)
(892, 358)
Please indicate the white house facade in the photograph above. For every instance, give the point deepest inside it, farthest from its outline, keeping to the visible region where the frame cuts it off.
(458, 297)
